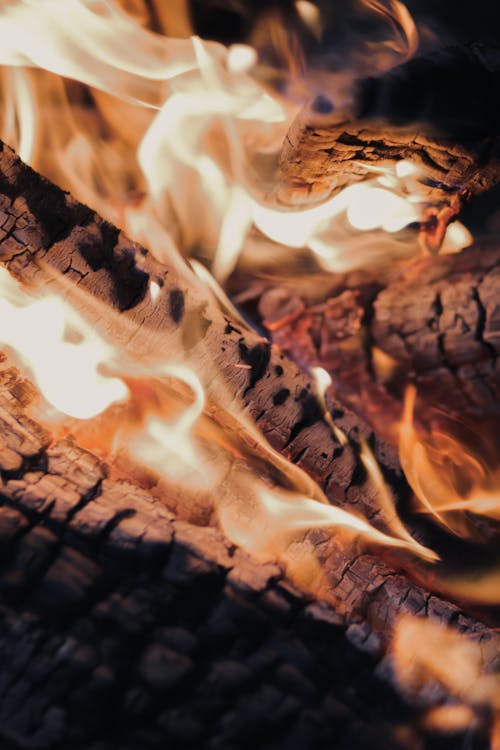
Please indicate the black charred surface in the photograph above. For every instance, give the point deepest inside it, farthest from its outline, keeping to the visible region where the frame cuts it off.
(176, 304)
(123, 627)
(257, 357)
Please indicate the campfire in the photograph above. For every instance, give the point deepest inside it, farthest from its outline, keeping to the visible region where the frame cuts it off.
(248, 389)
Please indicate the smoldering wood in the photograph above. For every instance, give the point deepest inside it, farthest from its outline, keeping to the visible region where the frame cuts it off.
(123, 625)
(436, 323)
(418, 111)
(43, 231)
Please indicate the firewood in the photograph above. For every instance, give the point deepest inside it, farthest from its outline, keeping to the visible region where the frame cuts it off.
(435, 324)
(434, 111)
(45, 231)
(124, 626)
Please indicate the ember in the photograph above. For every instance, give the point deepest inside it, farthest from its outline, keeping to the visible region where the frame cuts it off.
(197, 493)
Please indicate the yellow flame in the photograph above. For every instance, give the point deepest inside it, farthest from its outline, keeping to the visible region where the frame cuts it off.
(448, 479)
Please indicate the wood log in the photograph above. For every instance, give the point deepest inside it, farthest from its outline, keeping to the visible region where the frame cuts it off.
(436, 325)
(124, 626)
(43, 231)
(433, 111)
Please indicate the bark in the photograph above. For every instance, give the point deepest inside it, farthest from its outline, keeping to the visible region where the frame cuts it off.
(124, 626)
(436, 325)
(434, 111)
(78, 577)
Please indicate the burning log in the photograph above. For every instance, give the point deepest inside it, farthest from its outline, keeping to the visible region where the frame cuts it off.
(145, 629)
(414, 112)
(434, 324)
(59, 502)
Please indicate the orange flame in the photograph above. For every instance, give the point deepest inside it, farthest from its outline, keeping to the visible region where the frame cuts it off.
(405, 40)
(448, 479)
(426, 651)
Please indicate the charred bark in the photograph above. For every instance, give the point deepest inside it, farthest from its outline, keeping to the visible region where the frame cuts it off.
(436, 324)
(92, 572)
(434, 111)
(124, 626)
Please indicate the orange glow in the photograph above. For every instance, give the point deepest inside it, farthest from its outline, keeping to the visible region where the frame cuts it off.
(425, 651)
(168, 446)
(447, 477)
(404, 41)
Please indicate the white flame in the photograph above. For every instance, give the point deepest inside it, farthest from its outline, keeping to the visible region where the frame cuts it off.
(198, 123)
(67, 372)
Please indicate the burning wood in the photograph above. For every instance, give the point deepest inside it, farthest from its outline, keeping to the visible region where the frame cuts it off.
(122, 515)
(396, 117)
(193, 420)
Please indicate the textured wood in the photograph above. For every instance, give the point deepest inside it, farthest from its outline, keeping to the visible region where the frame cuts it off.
(124, 626)
(435, 112)
(437, 325)
(77, 520)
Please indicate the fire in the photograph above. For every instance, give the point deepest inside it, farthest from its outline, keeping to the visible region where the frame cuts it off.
(405, 39)
(425, 651)
(176, 141)
(63, 355)
(169, 446)
(183, 128)
(448, 478)
(384, 497)
(279, 515)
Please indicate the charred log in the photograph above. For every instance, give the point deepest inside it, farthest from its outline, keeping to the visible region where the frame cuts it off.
(124, 626)
(436, 325)
(61, 505)
(417, 111)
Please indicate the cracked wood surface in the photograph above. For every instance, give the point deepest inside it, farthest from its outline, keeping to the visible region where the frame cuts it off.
(435, 111)
(45, 229)
(435, 324)
(124, 626)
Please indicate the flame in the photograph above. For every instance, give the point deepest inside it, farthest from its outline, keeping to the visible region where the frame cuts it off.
(270, 523)
(447, 477)
(168, 446)
(182, 128)
(405, 38)
(60, 349)
(385, 499)
(426, 651)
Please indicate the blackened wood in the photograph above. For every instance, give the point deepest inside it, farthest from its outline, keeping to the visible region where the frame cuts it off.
(123, 626)
(44, 230)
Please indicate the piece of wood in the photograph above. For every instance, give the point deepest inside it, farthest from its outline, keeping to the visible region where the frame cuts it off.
(435, 112)
(124, 626)
(44, 231)
(436, 324)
